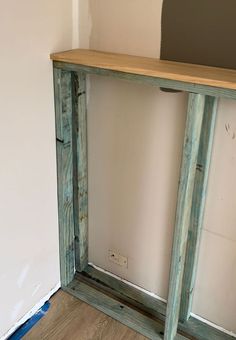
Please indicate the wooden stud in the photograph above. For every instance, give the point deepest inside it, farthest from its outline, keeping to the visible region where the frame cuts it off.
(195, 328)
(118, 310)
(198, 206)
(63, 110)
(188, 169)
(153, 81)
(80, 169)
(122, 290)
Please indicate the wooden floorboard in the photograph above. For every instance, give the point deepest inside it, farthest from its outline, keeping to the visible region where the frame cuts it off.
(70, 318)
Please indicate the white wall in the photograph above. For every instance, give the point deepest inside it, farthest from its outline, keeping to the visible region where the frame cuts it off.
(29, 265)
(135, 141)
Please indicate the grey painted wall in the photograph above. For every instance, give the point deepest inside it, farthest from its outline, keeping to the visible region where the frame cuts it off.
(199, 32)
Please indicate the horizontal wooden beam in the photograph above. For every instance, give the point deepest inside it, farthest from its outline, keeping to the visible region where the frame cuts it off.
(151, 328)
(150, 67)
(134, 297)
(124, 291)
(148, 80)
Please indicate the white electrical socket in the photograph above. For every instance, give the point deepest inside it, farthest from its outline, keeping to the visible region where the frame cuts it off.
(115, 257)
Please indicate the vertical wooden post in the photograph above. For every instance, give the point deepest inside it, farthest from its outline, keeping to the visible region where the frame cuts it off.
(186, 185)
(80, 169)
(198, 205)
(63, 110)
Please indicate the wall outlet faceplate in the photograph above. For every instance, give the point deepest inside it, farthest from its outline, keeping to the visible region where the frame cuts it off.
(117, 258)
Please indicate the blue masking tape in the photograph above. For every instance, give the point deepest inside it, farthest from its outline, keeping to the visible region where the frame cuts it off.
(22, 330)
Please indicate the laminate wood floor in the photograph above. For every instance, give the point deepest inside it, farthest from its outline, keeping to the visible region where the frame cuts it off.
(72, 319)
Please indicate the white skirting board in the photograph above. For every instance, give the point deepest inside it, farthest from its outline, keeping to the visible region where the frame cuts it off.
(213, 325)
(127, 282)
(28, 315)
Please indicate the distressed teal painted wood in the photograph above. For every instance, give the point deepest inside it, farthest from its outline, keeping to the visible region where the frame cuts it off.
(186, 185)
(58, 103)
(198, 206)
(153, 81)
(201, 331)
(70, 107)
(80, 169)
(118, 310)
(63, 110)
(150, 305)
(126, 292)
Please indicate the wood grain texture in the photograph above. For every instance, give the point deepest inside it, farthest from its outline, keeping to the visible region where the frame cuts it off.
(126, 292)
(198, 206)
(116, 310)
(119, 311)
(80, 169)
(152, 81)
(186, 185)
(195, 328)
(190, 73)
(63, 109)
(70, 318)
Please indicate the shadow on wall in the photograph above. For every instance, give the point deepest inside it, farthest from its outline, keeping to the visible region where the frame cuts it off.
(199, 32)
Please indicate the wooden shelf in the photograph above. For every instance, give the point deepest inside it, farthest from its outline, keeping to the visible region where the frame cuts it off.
(188, 73)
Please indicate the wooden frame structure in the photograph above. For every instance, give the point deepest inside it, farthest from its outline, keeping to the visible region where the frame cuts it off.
(143, 313)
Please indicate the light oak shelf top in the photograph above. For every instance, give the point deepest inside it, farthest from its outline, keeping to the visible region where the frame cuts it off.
(189, 73)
